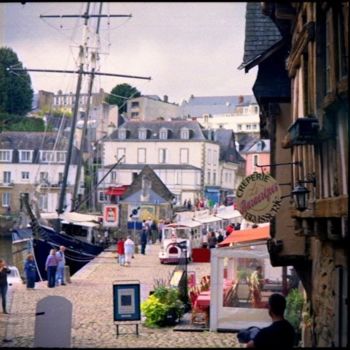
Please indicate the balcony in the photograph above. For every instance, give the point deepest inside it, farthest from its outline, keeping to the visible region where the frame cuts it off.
(304, 131)
(7, 184)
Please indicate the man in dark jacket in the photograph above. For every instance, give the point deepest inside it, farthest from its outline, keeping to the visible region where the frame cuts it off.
(280, 334)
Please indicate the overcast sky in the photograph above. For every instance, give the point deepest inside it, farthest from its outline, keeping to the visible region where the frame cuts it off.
(186, 48)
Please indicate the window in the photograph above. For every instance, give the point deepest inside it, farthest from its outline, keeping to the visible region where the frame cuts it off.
(60, 178)
(122, 134)
(47, 156)
(120, 153)
(162, 155)
(43, 200)
(6, 199)
(239, 127)
(25, 156)
(208, 179)
(135, 104)
(113, 177)
(25, 175)
(61, 157)
(184, 155)
(255, 160)
(178, 177)
(248, 126)
(102, 197)
(163, 134)
(7, 177)
(141, 155)
(142, 134)
(184, 134)
(134, 114)
(256, 109)
(44, 176)
(5, 156)
(209, 156)
(214, 178)
(215, 157)
(254, 126)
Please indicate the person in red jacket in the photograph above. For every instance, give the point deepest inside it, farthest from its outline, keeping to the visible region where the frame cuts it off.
(121, 251)
(229, 228)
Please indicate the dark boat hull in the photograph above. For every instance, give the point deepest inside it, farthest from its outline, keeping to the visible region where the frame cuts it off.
(78, 253)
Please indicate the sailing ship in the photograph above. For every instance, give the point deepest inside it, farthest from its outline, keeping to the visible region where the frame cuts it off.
(39, 238)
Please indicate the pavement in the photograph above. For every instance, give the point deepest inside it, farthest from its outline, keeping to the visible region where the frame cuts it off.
(91, 294)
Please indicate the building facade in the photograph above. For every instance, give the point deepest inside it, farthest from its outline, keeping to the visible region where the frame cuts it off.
(305, 113)
(33, 163)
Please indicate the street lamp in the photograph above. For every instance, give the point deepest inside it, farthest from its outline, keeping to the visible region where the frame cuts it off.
(300, 193)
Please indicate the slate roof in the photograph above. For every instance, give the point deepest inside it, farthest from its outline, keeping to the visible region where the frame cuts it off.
(196, 106)
(224, 138)
(260, 33)
(34, 141)
(259, 146)
(157, 185)
(153, 127)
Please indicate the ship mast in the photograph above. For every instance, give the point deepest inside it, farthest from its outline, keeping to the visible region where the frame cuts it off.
(80, 72)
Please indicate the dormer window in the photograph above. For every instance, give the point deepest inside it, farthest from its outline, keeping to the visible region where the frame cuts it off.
(25, 156)
(122, 134)
(163, 134)
(185, 134)
(142, 134)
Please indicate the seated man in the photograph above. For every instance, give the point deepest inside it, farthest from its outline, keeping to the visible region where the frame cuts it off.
(280, 334)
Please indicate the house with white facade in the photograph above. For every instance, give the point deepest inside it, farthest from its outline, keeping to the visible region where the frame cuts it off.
(33, 163)
(178, 152)
(151, 107)
(237, 113)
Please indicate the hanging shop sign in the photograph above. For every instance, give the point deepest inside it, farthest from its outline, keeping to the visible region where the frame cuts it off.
(258, 197)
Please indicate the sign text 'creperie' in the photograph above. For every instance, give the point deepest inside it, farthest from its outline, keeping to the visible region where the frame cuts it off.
(258, 197)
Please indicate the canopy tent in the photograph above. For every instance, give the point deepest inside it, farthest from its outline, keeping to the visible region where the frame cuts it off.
(185, 223)
(207, 219)
(243, 236)
(228, 213)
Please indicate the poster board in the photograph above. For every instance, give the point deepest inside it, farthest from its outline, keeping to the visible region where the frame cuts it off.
(126, 301)
(110, 215)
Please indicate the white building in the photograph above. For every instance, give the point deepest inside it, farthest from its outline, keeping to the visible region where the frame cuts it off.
(186, 158)
(151, 107)
(34, 161)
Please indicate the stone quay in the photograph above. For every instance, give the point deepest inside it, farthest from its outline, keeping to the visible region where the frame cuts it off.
(91, 294)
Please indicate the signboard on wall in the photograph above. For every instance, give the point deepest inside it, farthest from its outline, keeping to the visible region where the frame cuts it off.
(126, 301)
(258, 197)
(110, 215)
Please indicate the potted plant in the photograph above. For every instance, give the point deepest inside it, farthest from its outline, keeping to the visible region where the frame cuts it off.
(163, 307)
(294, 308)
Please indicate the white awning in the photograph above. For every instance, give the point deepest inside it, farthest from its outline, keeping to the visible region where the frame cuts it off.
(186, 223)
(228, 213)
(87, 220)
(81, 223)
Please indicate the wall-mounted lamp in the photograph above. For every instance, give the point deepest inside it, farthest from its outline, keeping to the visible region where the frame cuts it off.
(300, 193)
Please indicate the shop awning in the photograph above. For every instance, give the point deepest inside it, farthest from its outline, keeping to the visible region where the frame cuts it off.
(228, 213)
(116, 191)
(186, 223)
(243, 236)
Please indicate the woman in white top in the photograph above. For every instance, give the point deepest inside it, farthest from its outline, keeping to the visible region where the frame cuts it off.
(129, 249)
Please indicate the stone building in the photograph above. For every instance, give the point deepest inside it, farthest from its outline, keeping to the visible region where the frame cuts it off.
(301, 49)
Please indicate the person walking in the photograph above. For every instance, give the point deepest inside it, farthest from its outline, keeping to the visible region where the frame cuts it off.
(212, 240)
(60, 267)
(280, 334)
(129, 248)
(143, 241)
(51, 267)
(154, 231)
(256, 284)
(4, 271)
(30, 271)
(121, 251)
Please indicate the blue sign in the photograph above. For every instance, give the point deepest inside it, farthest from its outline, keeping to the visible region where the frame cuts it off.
(134, 225)
(126, 302)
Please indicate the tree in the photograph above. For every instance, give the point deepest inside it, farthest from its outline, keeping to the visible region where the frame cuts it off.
(120, 94)
(16, 94)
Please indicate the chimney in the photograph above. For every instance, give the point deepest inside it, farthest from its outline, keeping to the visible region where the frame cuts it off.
(166, 98)
(240, 99)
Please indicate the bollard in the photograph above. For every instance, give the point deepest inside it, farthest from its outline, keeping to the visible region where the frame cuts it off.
(67, 274)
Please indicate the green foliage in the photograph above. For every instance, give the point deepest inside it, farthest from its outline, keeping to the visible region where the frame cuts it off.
(294, 307)
(160, 304)
(122, 93)
(28, 124)
(16, 94)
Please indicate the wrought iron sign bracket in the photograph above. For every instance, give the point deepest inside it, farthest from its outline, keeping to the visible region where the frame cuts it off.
(300, 163)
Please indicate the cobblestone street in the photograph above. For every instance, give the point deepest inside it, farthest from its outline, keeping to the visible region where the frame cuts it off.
(91, 294)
